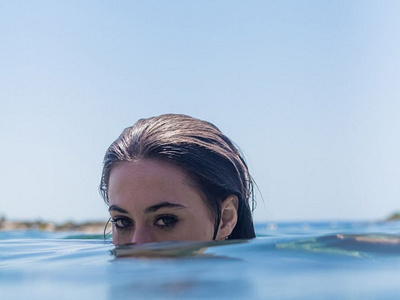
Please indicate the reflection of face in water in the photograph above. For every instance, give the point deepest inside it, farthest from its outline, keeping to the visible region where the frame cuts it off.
(153, 201)
(177, 277)
(171, 249)
(178, 270)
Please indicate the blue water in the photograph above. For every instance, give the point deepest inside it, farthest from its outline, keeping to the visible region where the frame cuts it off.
(324, 260)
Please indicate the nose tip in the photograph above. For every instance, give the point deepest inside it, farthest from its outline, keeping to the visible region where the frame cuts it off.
(141, 236)
(138, 241)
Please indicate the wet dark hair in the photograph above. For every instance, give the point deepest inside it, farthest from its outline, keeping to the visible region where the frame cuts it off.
(210, 159)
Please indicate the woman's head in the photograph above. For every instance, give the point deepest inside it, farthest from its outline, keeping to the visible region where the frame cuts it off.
(174, 177)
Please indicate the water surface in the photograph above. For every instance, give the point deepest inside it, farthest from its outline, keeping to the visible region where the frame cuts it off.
(320, 260)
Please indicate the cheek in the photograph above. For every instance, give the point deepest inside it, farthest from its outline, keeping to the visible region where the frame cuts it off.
(201, 229)
(120, 238)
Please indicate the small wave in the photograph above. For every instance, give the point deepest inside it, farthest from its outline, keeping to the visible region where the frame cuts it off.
(348, 244)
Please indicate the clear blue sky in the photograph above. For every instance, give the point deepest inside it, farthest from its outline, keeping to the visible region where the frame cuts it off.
(309, 90)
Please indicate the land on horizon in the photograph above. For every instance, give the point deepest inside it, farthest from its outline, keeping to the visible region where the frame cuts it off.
(91, 226)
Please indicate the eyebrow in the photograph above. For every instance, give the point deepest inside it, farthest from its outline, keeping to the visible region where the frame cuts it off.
(149, 209)
(156, 207)
(117, 208)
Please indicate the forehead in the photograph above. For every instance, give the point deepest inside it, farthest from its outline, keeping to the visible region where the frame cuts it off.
(147, 169)
(150, 181)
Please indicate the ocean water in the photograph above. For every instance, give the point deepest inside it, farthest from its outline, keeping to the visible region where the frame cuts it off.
(316, 260)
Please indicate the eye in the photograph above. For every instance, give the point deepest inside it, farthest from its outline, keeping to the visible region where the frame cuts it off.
(166, 221)
(122, 223)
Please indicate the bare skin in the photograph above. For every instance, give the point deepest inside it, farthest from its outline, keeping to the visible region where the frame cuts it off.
(152, 201)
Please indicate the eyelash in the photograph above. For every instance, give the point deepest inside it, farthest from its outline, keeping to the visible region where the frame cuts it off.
(121, 220)
(169, 221)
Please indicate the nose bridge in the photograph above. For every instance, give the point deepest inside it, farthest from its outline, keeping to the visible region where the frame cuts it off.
(142, 235)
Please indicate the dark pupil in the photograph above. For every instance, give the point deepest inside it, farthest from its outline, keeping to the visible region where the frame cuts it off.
(125, 222)
(168, 220)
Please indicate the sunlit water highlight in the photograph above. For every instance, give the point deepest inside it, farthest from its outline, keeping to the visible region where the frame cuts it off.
(343, 260)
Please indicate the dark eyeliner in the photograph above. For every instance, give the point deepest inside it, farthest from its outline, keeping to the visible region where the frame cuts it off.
(122, 223)
(168, 220)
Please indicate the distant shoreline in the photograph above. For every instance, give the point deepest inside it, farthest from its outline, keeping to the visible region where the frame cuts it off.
(393, 217)
(89, 227)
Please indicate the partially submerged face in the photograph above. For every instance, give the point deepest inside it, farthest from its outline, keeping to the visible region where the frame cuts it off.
(152, 201)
